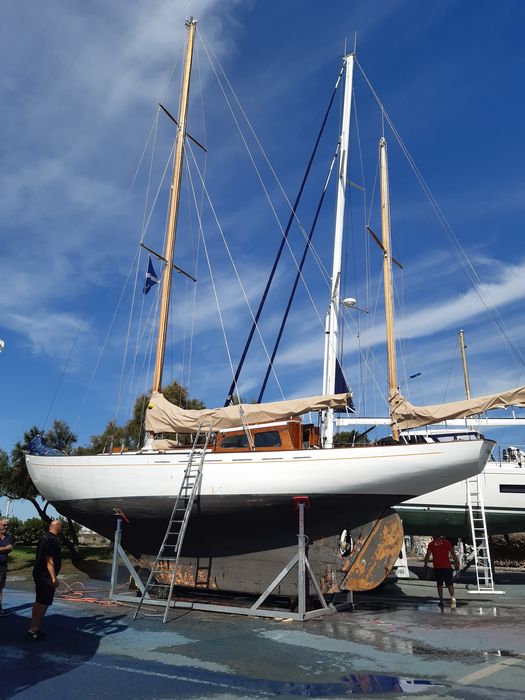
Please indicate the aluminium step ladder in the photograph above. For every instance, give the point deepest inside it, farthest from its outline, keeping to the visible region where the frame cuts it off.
(480, 540)
(167, 561)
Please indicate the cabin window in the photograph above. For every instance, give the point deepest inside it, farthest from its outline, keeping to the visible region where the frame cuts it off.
(270, 439)
(235, 441)
(511, 488)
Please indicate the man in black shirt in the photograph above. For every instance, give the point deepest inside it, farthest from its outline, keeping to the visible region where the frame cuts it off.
(45, 575)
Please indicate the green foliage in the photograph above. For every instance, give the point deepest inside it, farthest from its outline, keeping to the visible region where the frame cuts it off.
(16, 484)
(130, 435)
(347, 438)
(177, 394)
(70, 529)
(61, 437)
(26, 532)
(15, 481)
(5, 474)
(21, 558)
(31, 531)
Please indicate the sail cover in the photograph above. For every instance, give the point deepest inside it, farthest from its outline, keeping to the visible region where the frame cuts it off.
(405, 415)
(164, 417)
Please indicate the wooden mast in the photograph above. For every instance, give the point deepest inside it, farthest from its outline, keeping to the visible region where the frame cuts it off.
(463, 347)
(387, 273)
(173, 212)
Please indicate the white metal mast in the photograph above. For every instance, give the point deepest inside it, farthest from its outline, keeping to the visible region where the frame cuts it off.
(331, 328)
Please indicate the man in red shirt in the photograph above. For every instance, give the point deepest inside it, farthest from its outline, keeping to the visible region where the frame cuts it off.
(441, 551)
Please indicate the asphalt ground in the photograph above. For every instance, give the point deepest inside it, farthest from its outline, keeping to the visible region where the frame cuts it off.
(396, 641)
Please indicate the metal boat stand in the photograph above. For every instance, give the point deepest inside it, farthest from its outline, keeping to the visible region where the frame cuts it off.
(119, 555)
(303, 572)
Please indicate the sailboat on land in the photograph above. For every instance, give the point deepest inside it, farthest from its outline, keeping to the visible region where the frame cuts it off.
(242, 524)
(502, 485)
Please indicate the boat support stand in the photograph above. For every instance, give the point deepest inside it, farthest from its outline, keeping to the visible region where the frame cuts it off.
(300, 559)
(119, 555)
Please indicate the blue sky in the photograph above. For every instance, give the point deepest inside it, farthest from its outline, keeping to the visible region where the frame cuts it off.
(80, 85)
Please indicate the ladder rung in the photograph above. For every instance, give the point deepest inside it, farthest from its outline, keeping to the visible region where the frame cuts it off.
(177, 526)
(164, 572)
(158, 583)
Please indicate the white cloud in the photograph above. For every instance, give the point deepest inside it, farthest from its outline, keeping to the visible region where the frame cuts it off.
(49, 332)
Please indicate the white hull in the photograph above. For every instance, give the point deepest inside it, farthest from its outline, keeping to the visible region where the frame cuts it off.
(393, 470)
(503, 488)
(357, 481)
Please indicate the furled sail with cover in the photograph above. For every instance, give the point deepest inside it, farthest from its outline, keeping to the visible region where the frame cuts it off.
(405, 415)
(164, 417)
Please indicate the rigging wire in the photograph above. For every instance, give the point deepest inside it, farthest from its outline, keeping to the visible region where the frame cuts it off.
(209, 50)
(64, 369)
(367, 251)
(208, 261)
(106, 338)
(145, 224)
(217, 222)
(142, 236)
(135, 285)
(297, 278)
(198, 238)
(155, 120)
(455, 356)
(460, 254)
(293, 208)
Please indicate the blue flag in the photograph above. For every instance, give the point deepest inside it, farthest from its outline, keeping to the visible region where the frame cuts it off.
(151, 277)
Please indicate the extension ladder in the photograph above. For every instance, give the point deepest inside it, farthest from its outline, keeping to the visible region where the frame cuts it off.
(480, 540)
(167, 560)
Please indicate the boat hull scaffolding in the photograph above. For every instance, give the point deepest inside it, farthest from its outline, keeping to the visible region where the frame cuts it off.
(243, 511)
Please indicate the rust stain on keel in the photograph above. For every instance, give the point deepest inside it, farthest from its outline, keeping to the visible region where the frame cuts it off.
(376, 547)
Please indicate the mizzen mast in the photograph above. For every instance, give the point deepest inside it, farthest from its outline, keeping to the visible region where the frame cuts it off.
(387, 274)
(462, 348)
(173, 212)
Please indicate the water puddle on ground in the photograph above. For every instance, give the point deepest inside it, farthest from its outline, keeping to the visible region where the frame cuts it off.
(367, 683)
(362, 684)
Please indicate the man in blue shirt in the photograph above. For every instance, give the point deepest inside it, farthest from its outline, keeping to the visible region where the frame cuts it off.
(5, 547)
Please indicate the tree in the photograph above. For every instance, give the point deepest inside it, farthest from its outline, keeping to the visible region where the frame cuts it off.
(61, 437)
(130, 435)
(349, 437)
(16, 484)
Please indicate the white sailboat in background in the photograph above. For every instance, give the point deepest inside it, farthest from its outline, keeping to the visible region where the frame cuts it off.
(242, 523)
(502, 481)
(502, 485)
